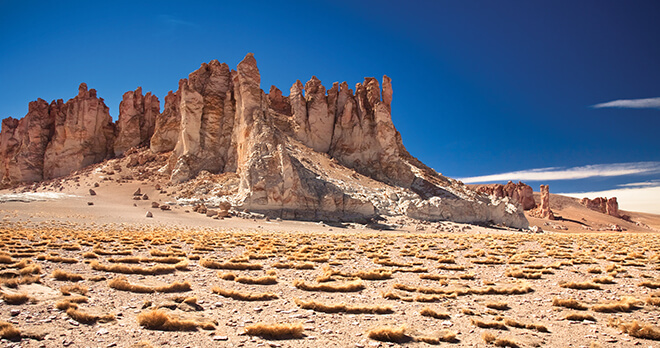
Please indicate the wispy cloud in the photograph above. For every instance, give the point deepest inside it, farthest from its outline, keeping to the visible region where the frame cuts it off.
(641, 199)
(646, 103)
(558, 173)
(176, 22)
(651, 183)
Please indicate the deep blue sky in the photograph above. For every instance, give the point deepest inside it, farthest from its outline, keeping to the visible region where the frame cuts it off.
(480, 87)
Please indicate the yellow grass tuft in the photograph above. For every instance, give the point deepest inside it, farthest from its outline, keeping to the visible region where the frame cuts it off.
(126, 269)
(77, 288)
(488, 324)
(59, 274)
(241, 296)
(87, 318)
(389, 334)
(530, 326)
(569, 303)
(502, 306)
(121, 283)
(8, 331)
(352, 286)
(160, 320)
(341, 307)
(646, 331)
(275, 331)
(428, 312)
(499, 342)
(626, 304)
(16, 298)
(229, 265)
(650, 284)
(579, 316)
(586, 285)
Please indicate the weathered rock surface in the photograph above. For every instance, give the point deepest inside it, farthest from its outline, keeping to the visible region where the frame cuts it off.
(316, 154)
(166, 130)
(543, 211)
(603, 205)
(520, 192)
(136, 122)
(84, 134)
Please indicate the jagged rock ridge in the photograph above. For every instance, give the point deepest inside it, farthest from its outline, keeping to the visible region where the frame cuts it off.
(316, 154)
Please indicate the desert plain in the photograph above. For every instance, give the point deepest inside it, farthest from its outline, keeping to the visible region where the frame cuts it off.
(82, 270)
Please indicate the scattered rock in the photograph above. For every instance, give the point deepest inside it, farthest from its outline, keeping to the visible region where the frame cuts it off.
(90, 203)
(149, 214)
(92, 192)
(165, 207)
(155, 204)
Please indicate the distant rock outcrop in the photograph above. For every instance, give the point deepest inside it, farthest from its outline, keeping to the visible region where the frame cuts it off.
(603, 205)
(137, 118)
(520, 192)
(316, 154)
(543, 210)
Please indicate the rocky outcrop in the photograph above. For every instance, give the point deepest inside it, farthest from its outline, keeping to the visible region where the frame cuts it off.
(84, 134)
(520, 192)
(603, 205)
(136, 122)
(24, 143)
(317, 154)
(166, 130)
(543, 210)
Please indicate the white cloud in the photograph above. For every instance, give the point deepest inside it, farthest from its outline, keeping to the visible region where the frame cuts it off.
(640, 199)
(583, 172)
(647, 103)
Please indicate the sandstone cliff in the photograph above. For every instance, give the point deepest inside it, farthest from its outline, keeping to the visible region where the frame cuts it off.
(315, 154)
(520, 192)
(137, 118)
(603, 205)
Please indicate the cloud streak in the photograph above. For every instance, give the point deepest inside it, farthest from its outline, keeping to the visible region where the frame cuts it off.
(583, 172)
(646, 103)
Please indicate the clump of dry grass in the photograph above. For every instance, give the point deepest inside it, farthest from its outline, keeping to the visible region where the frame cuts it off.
(530, 326)
(121, 283)
(66, 290)
(160, 320)
(244, 296)
(586, 285)
(275, 331)
(499, 342)
(8, 331)
(59, 274)
(516, 272)
(264, 280)
(428, 312)
(488, 324)
(502, 306)
(87, 318)
(626, 304)
(650, 284)
(60, 259)
(90, 255)
(442, 336)
(579, 316)
(604, 280)
(468, 311)
(594, 270)
(389, 334)
(635, 329)
(16, 298)
(294, 265)
(653, 301)
(569, 303)
(229, 265)
(352, 286)
(341, 307)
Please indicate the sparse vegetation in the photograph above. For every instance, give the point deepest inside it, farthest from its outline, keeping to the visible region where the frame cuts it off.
(275, 331)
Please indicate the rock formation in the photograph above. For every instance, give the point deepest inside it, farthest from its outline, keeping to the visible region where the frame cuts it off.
(543, 210)
(166, 130)
(84, 134)
(316, 154)
(520, 192)
(603, 205)
(137, 118)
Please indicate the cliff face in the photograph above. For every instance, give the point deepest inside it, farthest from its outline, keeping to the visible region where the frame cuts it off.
(315, 154)
(520, 192)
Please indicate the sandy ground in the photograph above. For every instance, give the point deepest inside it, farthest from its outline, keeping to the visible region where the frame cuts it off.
(454, 269)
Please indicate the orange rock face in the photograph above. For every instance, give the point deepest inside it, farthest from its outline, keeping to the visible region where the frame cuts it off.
(520, 192)
(603, 205)
(137, 118)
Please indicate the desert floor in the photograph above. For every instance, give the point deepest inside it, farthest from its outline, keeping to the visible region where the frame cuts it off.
(105, 275)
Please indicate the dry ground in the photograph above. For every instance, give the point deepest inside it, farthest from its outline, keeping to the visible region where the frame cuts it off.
(104, 275)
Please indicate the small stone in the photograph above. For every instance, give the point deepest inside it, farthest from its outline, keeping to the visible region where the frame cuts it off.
(138, 192)
(14, 312)
(90, 203)
(220, 338)
(155, 205)
(92, 192)
(149, 214)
